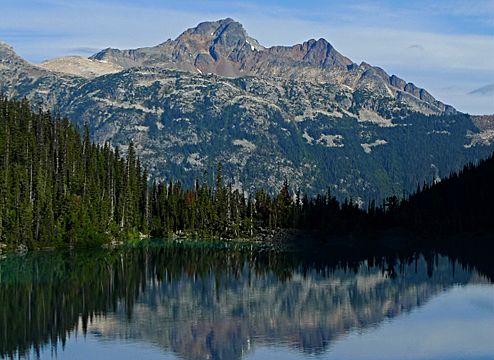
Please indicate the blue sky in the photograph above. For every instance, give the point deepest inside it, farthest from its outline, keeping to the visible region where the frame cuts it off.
(444, 46)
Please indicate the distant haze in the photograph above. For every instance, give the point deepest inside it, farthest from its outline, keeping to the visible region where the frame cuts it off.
(484, 90)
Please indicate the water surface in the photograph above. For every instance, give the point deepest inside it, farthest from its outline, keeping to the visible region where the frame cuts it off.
(240, 302)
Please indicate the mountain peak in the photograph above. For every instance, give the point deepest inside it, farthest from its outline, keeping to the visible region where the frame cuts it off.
(8, 54)
(223, 47)
(3, 44)
(6, 49)
(226, 32)
(212, 28)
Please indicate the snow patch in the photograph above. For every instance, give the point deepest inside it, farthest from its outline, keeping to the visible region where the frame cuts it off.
(374, 118)
(441, 132)
(331, 140)
(483, 138)
(307, 137)
(254, 45)
(141, 128)
(246, 144)
(128, 105)
(251, 46)
(194, 159)
(333, 114)
(368, 146)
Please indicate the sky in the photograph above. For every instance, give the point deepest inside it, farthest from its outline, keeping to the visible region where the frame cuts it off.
(446, 47)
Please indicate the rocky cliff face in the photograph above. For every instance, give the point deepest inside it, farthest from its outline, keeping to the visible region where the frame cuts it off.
(303, 113)
(225, 49)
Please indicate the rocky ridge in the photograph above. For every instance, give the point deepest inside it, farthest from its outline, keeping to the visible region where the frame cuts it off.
(80, 66)
(224, 48)
(304, 113)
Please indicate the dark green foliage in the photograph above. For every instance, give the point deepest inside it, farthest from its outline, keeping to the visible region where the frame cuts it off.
(461, 203)
(57, 188)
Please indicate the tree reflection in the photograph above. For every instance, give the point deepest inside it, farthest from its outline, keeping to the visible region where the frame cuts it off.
(210, 301)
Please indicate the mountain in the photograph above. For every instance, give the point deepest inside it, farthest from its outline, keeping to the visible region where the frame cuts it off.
(224, 48)
(19, 78)
(80, 66)
(304, 113)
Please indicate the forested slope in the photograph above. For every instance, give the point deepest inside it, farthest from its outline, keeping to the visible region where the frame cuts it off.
(59, 189)
(461, 203)
(56, 187)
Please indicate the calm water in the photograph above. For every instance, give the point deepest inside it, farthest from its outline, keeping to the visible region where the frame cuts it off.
(213, 302)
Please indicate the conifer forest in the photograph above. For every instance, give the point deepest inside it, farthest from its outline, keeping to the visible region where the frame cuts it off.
(60, 189)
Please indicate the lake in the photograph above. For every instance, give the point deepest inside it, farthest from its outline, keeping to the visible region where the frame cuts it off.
(202, 300)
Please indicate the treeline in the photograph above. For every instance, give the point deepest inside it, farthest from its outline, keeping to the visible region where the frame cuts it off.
(57, 188)
(463, 202)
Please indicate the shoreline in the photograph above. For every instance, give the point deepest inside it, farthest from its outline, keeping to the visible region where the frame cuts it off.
(393, 239)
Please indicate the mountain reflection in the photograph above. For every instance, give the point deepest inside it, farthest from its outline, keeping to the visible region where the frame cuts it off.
(212, 302)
